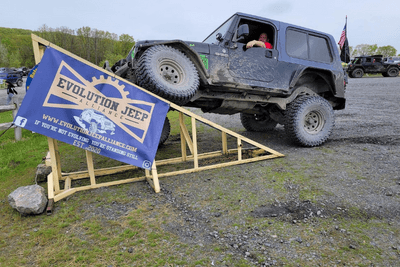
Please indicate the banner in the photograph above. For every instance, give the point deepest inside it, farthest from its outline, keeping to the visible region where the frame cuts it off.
(75, 103)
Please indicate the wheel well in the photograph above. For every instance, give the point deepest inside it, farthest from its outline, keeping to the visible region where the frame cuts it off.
(319, 81)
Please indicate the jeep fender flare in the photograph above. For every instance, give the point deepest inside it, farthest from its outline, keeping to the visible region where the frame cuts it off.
(188, 51)
(302, 72)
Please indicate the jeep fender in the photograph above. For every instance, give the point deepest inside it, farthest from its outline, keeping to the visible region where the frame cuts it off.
(304, 75)
(187, 50)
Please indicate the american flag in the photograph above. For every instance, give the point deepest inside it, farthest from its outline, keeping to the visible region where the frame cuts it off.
(343, 36)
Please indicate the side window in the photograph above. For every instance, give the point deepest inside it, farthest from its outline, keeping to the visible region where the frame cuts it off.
(256, 28)
(296, 44)
(306, 46)
(319, 49)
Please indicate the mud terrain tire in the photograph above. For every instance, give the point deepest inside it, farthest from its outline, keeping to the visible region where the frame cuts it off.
(309, 120)
(165, 131)
(168, 73)
(357, 73)
(257, 123)
(392, 72)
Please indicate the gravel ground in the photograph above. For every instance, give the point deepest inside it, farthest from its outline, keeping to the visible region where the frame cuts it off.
(299, 210)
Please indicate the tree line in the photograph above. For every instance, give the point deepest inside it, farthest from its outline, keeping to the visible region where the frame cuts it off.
(91, 44)
(97, 46)
(369, 50)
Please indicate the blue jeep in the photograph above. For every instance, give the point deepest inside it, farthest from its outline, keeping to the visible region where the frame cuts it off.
(297, 82)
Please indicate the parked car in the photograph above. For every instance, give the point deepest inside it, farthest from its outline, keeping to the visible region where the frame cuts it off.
(12, 77)
(372, 64)
(23, 70)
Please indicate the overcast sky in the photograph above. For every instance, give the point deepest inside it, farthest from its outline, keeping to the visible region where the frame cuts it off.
(369, 21)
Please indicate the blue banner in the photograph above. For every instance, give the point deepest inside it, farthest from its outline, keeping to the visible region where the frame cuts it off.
(78, 104)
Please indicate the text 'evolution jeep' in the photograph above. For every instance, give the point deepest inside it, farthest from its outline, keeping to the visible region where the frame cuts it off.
(372, 64)
(297, 83)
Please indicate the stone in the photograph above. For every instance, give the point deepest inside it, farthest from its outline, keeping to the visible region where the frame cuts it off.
(42, 171)
(28, 200)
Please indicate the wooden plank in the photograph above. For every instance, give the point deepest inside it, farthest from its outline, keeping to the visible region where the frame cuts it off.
(89, 160)
(194, 136)
(55, 162)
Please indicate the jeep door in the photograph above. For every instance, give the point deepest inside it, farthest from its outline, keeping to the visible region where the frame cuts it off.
(257, 66)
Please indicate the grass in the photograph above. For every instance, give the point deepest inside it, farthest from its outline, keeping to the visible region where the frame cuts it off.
(91, 228)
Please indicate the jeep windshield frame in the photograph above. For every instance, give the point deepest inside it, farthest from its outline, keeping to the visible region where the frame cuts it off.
(223, 29)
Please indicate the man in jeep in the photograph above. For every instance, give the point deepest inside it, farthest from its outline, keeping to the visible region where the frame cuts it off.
(298, 83)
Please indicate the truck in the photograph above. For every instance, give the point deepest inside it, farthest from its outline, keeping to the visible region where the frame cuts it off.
(298, 82)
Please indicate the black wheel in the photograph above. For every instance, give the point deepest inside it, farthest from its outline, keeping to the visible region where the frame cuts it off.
(257, 123)
(19, 83)
(392, 72)
(350, 75)
(309, 120)
(357, 73)
(168, 73)
(165, 131)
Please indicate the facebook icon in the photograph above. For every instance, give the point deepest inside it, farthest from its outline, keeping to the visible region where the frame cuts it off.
(20, 121)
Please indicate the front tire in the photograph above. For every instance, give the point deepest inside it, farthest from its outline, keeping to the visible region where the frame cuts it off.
(357, 73)
(168, 73)
(19, 83)
(309, 120)
(257, 123)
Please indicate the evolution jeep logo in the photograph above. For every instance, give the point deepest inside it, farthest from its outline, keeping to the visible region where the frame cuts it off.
(69, 90)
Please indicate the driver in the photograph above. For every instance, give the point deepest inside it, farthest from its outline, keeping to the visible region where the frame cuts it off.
(262, 42)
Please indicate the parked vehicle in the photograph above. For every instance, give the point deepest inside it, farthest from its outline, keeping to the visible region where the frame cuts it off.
(372, 64)
(298, 83)
(14, 78)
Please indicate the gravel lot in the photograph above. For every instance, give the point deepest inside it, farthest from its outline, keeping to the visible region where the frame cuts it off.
(333, 205)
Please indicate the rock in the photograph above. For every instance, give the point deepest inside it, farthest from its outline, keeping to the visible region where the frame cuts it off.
(28, 200)
(41, 173)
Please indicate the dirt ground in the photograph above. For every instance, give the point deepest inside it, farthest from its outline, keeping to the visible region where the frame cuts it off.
(304, 207)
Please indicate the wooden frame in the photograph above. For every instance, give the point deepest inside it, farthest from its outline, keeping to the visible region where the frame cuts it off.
(55, 193)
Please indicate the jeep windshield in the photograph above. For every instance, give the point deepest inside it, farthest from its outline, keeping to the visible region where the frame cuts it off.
(219, 34)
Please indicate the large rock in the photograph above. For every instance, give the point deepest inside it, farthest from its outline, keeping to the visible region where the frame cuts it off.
(28, 200)
(42, 171)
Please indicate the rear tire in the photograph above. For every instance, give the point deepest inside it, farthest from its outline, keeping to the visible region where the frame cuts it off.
(257, 123)
(392, 72)
(357, 73)
(309, 120)
(165, 131)
(168, 73)
(19, 83)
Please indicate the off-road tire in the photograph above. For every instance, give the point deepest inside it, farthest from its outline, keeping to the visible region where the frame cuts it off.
(392, 72)
(165, 131)
(309, 120)
(19, 83)
(357, 73)
(168, 73)
(257, 123)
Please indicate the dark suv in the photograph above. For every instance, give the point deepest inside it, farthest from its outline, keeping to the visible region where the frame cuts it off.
(372, 64)
(298, 83)
(12, 77)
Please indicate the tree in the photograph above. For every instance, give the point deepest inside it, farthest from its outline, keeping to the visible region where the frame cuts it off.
(365, 50)
(387, 51)
(3, 55)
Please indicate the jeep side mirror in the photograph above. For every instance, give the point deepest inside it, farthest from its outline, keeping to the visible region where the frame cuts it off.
(242, 32)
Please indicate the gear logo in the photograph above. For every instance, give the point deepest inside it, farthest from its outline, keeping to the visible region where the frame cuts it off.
(103, 96)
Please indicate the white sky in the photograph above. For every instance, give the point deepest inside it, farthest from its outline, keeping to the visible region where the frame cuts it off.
(369, 21)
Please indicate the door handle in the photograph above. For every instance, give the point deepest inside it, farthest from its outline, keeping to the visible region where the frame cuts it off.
(268, 53)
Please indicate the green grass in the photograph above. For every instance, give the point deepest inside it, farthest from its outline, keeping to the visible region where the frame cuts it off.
(143, 236)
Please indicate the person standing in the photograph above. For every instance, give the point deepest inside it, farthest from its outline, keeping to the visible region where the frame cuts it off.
(10, 92)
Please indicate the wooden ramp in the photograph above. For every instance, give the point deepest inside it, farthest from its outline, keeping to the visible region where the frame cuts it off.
(239, 154)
